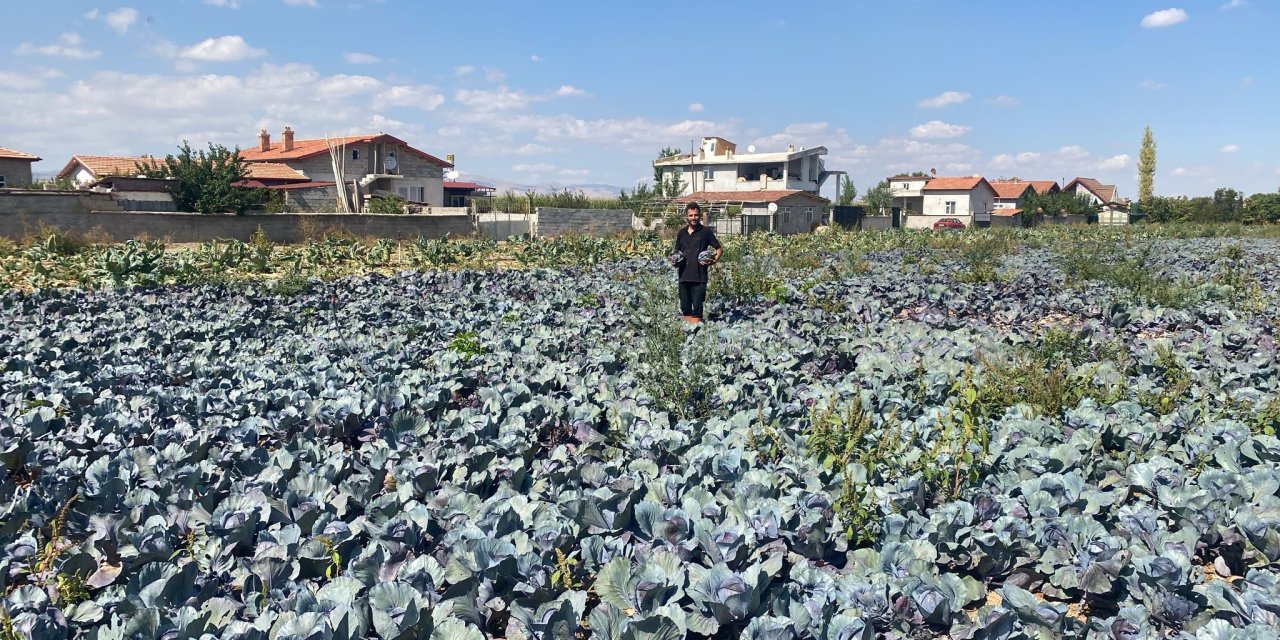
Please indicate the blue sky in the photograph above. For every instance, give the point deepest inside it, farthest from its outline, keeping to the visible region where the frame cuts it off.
(560, 93)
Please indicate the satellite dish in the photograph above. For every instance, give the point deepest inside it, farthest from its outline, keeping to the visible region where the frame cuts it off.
(773, 207)
(451, 174)
(751, 148)
(390, 162)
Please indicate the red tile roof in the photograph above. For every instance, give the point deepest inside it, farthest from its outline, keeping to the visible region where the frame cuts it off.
(1006, 212)
(747, 196)
(955, 184)
(103, 166)
(273, 171)
(1105, 192)
(1010, 190)
(1044, 186)
(308, 148)
(11, 154)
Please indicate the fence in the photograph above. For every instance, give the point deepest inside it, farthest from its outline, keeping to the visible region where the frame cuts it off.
(500, 226)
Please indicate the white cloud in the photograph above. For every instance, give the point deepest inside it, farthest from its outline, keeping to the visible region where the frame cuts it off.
(353, 57)
(1010, 161)
(532, 149)
(463, 70)
(342, 86)
(1006, 102)
(944, 99)
(1151, 85)
(532, 168)
(230, 4)
(1164, 18)
(1234, 4)
(423, 97)
(500, 99)
(494, 75)
(939, 129)
(222, 49)
(121, 19)
(1230, 148)
(575, 173)
(68, 46)
(535, 58)
(568, 90)
(302, 3)
(1114, 162)
(696, 107)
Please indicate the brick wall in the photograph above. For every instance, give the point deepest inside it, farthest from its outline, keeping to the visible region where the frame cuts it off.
(553, 221)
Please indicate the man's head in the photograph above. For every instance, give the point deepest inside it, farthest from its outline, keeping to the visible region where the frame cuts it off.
(693, 214)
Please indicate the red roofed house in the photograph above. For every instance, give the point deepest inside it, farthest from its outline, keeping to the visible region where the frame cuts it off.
(1045, 186)
(84, 169)
(1012, 194)
(458, 194)
(796, 211)
(15, 168)
(969, 200)
(375, 164)
(1112, 210)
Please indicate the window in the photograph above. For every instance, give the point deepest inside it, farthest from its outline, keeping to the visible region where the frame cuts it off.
(355, 154)
(951, 207)
(2, 183)
(708, 174)
(808, 211)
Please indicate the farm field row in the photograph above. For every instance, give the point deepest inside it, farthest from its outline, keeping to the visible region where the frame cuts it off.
(975, 435)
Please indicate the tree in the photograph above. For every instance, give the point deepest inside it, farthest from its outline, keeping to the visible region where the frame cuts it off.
(879, 200)
(1147, 167)
(666, 152)
(1262, 207)
(1228, 202)
(1061, 203)
(848, 192)
(206, 180)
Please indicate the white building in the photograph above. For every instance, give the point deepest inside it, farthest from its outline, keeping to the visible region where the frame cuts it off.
(969, 200)
(718, 167)
(1112, 210)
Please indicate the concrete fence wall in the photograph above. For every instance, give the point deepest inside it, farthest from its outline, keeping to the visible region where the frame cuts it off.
(23, 213)
(500, 226)
(553, 221)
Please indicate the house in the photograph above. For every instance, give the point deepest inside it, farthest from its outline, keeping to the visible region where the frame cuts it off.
(927, 199)
(1112, 210)
(373, 164)
(1012, 194)
(908, 192)
(85, 169)
(784, 211)
(460, 194)
(1045, 186)
(718, 167)
(15, 168)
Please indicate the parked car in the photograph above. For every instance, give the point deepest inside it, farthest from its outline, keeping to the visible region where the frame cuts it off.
(948, 223)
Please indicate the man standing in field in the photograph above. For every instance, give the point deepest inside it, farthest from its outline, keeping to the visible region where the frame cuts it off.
(692, 244)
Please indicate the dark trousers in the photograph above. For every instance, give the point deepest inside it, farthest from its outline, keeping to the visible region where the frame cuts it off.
(692, 295)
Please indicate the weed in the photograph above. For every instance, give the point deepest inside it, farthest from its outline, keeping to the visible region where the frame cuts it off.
(766, 440)
(1266, 421)
(674, 368)
(467, 345)
(1175, 383)
(334, 567)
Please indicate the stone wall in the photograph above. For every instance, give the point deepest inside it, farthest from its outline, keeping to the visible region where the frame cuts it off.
(23, 213)
(553, 221)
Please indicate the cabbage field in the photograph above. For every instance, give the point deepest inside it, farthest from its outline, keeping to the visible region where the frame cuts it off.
(1062, 433)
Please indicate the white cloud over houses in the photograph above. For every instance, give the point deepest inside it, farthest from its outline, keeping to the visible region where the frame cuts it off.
(532, 167)
(944, 99)
(423, 97)
(67, 46)
(222, 49)
(1164, 18)
(1230, 148)
(1234, 4)
(939, 129)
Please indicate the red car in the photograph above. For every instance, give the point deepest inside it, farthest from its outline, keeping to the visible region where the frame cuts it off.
(947, 223)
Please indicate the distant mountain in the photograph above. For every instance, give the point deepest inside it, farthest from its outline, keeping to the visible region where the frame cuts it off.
(593, 190)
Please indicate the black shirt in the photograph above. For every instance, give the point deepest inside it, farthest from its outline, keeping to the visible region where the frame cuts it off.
(691, 244)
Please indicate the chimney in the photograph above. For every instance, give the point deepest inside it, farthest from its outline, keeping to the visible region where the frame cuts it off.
(790, 148)
(264, 141)
(449, 158)
(286, 138)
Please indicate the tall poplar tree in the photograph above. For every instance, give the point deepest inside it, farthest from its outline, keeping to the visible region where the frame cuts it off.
(1147, 167)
